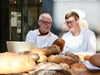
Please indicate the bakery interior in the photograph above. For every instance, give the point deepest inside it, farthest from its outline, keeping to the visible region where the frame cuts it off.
(20, 16)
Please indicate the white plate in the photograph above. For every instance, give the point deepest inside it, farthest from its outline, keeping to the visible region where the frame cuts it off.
(90, 66)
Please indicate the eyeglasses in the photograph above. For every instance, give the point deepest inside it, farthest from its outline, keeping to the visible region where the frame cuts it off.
(45, 22)
(69, 22)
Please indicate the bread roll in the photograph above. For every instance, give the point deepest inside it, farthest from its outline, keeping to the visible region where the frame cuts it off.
(78, 66)
(40, 51)
(61, 59)
(84, 56)
(64, 66)
(42, 59)
(15, 63)
(54, 49)
(87, 57)
(72, 55)
(34, 56)
(95, 60)
(59, 42)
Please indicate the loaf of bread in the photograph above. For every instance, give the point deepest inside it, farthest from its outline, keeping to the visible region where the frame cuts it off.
(40, 51)
(61, 59)
(49, 68)
(84, 56)
(47, 51)
(34, 56)
(87, 57)
(95, 60)
(64, 66)
(78, 66)
(15, 63)
(54, 49)
(72, 55)
(42, 59)
(59, 42)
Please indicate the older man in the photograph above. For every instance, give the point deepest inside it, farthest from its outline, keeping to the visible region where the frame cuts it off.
(42, 37)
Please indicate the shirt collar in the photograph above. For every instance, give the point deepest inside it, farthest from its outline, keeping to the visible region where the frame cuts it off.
(43, 34)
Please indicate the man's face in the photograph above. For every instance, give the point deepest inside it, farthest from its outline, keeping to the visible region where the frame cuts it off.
(71, 23)
(45, 24)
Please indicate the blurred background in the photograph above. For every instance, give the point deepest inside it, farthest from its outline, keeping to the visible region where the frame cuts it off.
(20, 16)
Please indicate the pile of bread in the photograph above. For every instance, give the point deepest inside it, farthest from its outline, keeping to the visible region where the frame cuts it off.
(43, 60)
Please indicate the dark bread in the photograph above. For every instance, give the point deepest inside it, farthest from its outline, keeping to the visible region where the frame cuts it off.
(95, 60)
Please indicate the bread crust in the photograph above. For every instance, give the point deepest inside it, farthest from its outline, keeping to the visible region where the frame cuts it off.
(59, 42)
(15, 63)
(78, 66)
(40, 51)
(95, 60)
(47, 51)
(61, 59)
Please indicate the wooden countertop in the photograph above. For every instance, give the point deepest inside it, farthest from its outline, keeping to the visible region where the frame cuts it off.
(86, 72)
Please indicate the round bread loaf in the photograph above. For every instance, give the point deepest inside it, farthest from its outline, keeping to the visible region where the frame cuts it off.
(59, 42)
(95, 60)
(53, 50)
(15, 63)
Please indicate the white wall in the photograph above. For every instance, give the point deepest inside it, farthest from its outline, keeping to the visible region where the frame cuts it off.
(90, 7)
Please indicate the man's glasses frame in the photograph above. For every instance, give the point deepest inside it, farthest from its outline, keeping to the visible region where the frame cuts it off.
(45, 22)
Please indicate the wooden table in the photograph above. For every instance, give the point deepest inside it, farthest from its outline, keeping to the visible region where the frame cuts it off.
(86, 72)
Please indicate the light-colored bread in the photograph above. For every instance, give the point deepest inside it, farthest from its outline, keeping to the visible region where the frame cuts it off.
(47, 51)
(84, 56)
(40, 51)
(34, 56)
(15, 63)
(87, 57)
(95, 60)
(78, 66)
(64, 66)
(42, 59)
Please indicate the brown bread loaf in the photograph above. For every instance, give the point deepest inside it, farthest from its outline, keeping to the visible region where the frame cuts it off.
(95, 59)
(59, 42)
(61, 59)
